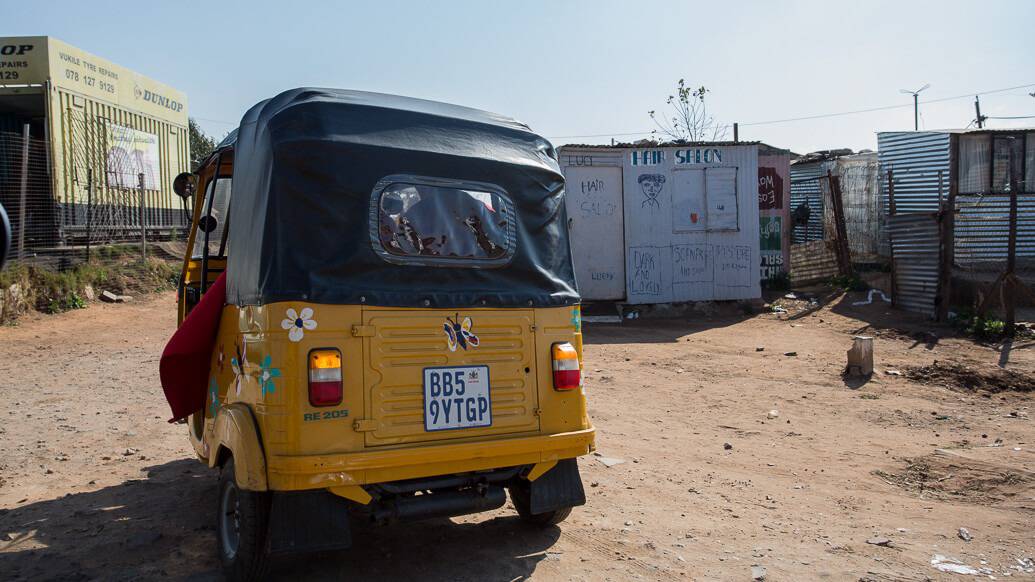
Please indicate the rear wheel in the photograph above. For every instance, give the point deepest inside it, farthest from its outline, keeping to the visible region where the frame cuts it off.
(521, 496)
(242, 523)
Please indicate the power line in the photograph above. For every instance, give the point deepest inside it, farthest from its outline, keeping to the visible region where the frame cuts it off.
(826, 115)
(1012, 117)
(887, 107)
(215, 120)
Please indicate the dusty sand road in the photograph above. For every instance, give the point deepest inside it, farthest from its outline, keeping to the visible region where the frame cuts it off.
(94, 484)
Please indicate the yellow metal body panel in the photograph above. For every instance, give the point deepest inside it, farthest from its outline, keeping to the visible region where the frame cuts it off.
(352, 493)
(377, 433)
(540, 469)
(234, 429)
(405, 341)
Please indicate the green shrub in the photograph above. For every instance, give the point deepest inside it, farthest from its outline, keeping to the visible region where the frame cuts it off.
(848, 283)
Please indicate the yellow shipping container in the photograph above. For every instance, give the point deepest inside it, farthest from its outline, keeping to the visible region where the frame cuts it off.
(100, 123)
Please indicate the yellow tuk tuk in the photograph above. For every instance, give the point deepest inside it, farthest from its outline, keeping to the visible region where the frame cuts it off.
(401, 334)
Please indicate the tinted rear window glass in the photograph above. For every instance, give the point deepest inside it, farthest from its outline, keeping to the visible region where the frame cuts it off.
(439, 222)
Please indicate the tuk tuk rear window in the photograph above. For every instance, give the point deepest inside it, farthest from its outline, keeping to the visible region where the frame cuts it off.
(443, 223)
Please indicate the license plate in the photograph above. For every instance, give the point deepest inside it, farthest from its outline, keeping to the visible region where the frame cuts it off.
(456, 397)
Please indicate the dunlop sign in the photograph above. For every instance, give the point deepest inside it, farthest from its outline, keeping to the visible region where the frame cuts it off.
(34, 60)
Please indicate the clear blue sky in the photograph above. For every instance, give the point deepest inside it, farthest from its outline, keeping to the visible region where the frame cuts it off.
(580, 68)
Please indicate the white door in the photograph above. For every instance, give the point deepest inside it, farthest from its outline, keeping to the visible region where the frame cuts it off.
(593, 197)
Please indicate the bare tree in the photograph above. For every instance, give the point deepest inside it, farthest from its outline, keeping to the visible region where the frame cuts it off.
(690, 120)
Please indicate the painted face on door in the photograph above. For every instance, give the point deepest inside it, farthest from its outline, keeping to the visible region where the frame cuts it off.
(651, 184)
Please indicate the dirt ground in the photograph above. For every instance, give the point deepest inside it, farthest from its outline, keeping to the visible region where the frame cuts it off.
(735, 455)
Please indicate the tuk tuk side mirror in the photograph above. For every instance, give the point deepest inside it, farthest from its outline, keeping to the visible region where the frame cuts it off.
(184, 184)
(206, 224)
(5, 236)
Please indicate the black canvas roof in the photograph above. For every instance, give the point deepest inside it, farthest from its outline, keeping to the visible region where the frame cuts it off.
(306, 163)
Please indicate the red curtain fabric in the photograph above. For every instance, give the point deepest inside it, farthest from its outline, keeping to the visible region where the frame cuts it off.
(184, 367)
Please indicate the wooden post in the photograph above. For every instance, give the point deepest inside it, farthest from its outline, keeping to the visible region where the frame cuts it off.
(1009, 297)
(22, 210)
(143, 228)
(89, 210)
(891, 242)
(844, 260)
(948, 258)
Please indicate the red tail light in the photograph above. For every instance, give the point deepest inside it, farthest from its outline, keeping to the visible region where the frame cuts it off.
(325, 377)
(566, 372)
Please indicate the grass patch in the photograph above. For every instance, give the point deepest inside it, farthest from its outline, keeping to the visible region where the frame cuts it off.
(30, 287)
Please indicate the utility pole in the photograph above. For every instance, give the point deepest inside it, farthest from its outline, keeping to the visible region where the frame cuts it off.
(977, 109)
(916, 104)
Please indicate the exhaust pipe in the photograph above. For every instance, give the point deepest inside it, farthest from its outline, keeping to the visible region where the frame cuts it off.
(439, 504)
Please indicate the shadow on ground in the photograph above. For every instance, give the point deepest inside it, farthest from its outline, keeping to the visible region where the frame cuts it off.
(655, 330)
(164, 527)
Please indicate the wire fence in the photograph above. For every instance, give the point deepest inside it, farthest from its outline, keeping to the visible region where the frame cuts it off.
(102, 206)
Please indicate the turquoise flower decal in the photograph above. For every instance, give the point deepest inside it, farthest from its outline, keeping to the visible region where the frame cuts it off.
(213, 390)
(268, 374)
(576, 318)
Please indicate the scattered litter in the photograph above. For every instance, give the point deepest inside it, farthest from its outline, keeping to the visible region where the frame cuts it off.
(773, 414)
(790, 296)
(892, 372)
(757, 572)
(879, 542)
(790, 354)
(777, 309)
(632, 315)
(952, 566)
(964, 534)
(760, 349)
(727, 446)
(869, 297)
(602, 319)
(610, 461)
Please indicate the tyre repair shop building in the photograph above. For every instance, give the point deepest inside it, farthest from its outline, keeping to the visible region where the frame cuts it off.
(92, 127)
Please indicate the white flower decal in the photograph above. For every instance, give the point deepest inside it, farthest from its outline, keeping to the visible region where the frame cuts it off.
(297, 323)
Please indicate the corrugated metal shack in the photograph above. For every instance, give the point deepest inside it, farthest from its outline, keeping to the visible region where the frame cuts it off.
(663, 223)
(971, 172)
(812, 258)
(90, 123)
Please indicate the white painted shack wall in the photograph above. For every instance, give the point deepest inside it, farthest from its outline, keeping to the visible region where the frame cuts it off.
(669, 255)
(596, 225)
(684, 241)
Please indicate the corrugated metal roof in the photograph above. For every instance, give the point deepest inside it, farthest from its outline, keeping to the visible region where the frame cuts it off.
(959, 131)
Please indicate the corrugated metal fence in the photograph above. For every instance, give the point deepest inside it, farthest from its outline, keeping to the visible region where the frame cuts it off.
(805, 191)
(915, 251)
(983, 228)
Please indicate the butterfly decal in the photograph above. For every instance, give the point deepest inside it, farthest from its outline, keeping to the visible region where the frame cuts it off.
(459, 333)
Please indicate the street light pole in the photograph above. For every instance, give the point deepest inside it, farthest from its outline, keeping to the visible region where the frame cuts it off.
(916, 112)
(916, 104)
